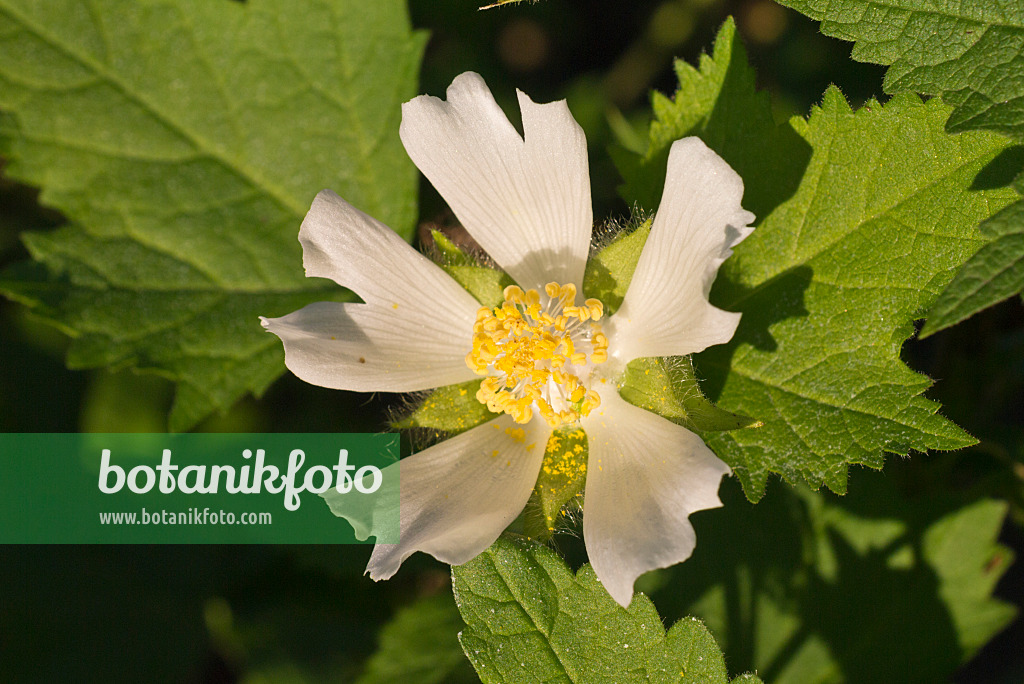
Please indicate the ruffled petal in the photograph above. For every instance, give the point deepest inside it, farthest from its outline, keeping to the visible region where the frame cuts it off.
(527, 202)
(414, 330)
(666, 310)
(645, 476)
(460, 494)
(366, 348)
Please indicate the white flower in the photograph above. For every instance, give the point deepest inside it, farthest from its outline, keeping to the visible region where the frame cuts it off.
(544, 358)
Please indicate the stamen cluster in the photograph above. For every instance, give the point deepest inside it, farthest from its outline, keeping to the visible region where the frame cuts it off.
(537, 351)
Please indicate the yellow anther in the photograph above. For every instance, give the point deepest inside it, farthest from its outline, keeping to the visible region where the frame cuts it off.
(525, 347)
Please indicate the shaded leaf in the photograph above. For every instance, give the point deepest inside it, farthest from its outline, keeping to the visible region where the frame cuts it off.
(877, 585)
(994, 273)
(420, 646)
(971, 52)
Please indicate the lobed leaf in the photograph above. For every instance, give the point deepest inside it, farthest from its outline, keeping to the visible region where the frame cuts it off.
(185, 177)
(530, 619)
(971, 52)
(862, 223)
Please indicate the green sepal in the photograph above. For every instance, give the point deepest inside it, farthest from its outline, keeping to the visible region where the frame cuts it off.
(610, 270)
(562, 476)
(668, 386)
(486, 284)
(451, 409)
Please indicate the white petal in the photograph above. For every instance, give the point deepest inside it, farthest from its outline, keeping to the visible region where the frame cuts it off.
(415, 329)
(367, 348)
(527, 202)
(645, 476)
(359, 252)
(666, 310)
(459, 495)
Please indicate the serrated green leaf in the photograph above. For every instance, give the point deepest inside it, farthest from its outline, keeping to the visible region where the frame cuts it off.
(969, 51)
(184, 140)
(829, 284)
(420, 646)
(609, 271)
(668, 387)
(875, 586)
(719, 103)
(864, 216)
(486, 284)
(563, 474)
(990, 276)
(529, 618)
(451, 409)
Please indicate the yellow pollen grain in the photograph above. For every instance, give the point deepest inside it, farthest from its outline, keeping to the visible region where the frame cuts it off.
(527, 349)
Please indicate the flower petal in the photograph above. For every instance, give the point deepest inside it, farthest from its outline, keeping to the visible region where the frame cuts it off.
(414, 330)
(359, 252)
(460, 494)
(527, 202)
(366, 348)
(645, 476)
(666, 310)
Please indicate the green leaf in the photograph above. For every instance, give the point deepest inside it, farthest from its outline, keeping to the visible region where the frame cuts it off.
(486, 284)
(971, 52)
(609, 271)
(990, 276)
(829, 285)
(420, 646)
(874, 586)
(451, 409)
(529, 618)
(864, 216)
(184, 142)
(668, 387)
(719, 103)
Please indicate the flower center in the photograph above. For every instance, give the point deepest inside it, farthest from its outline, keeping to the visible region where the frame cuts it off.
(538, 351)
